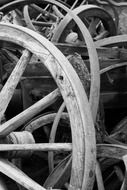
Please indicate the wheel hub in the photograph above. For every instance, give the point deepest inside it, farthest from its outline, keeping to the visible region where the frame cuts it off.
(23, 137)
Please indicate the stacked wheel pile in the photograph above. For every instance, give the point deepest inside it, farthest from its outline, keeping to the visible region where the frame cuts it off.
(53, 57)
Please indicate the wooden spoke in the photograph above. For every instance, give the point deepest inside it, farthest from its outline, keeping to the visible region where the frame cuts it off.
(93, 26)
(57, 12)
(8, 89)
(27, 18)
(99, 177)
(40, 23)
(27, 114)
(39, 9)
(102, 35)
(74, 4)
(114, 66)
(37, 147)
(111, 151)
(120, 133)
(60, 175)
(17, 175)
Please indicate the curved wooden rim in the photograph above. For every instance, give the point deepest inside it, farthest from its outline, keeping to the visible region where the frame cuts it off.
(73, 94)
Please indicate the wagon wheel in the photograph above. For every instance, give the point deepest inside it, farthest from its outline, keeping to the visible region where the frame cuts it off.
(99, 23)
(76, 103)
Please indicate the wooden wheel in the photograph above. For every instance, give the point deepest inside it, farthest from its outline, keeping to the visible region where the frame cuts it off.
(75, 100)
(96, 19)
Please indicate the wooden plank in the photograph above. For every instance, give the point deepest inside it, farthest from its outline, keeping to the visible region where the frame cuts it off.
(82, 49)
